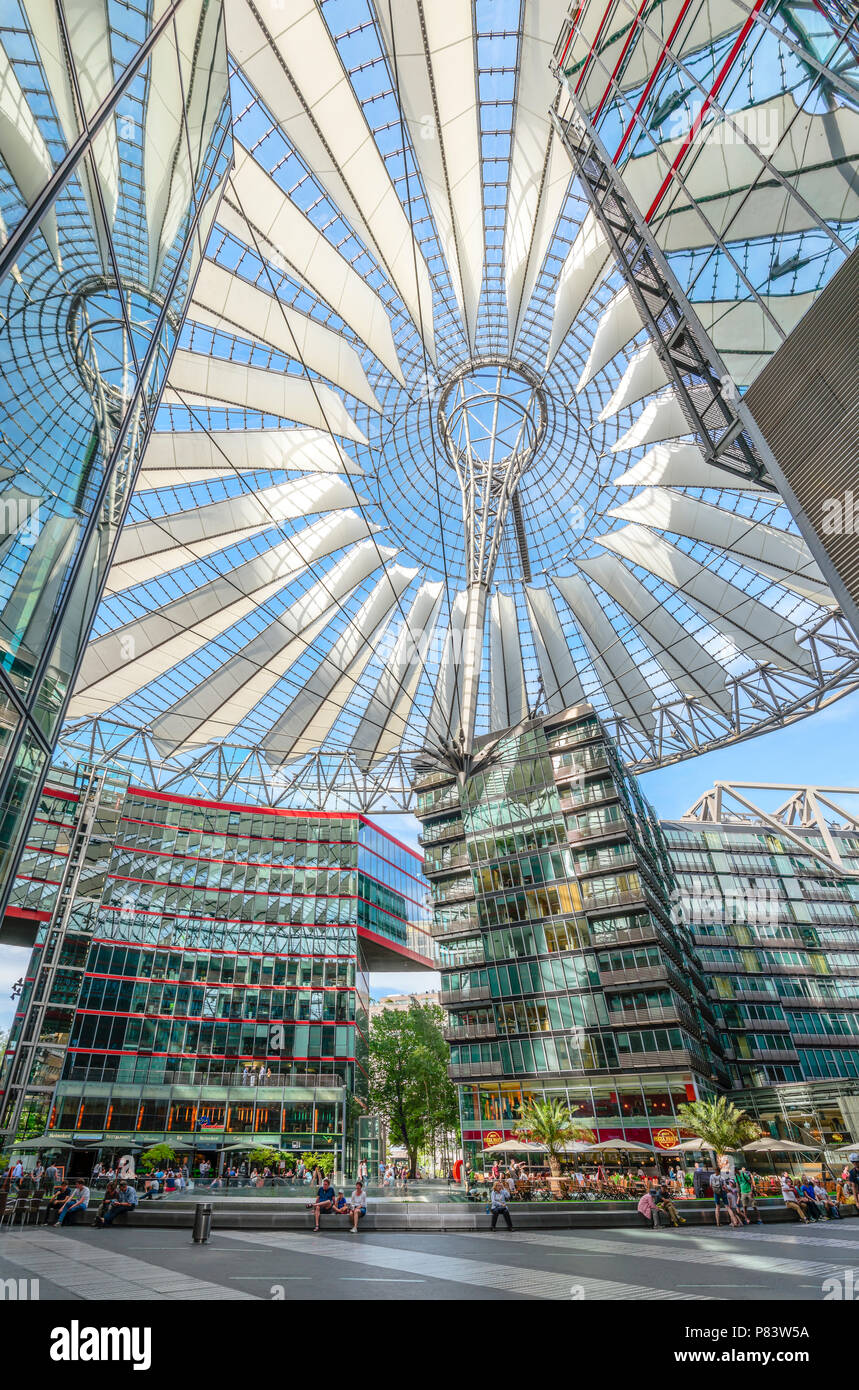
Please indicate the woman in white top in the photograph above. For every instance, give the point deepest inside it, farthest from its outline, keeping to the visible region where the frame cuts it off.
(357, 1206)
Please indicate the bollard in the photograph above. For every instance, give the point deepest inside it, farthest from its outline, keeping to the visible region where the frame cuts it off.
(202, 1222)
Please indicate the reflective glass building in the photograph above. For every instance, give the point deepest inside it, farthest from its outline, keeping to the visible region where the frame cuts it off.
(562, 969)
(206, 972)
(115, 143)
(771, 900)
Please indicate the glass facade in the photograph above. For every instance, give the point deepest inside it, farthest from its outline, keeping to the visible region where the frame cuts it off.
(115, 143)
(710, 112)
(220, 977)
(777, 936)
(560, 961)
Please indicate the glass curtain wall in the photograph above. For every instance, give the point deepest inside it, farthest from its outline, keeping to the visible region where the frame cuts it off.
(114, 143)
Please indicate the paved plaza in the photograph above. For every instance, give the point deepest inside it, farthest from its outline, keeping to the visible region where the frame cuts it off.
(135, 1264)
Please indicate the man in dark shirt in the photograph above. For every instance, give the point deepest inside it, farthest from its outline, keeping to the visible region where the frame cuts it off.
(325, 1198)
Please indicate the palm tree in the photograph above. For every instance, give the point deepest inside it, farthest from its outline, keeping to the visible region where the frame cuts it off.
(549, 1122)
(720, 1123)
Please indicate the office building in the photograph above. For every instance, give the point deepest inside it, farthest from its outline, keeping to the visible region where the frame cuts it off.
(562, 970)
(202, 972)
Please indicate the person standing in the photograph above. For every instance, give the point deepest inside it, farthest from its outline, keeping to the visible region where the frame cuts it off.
(50, 1180)
(498, 1205)
(748, 1203)
(852, 1183)
(719, 1189)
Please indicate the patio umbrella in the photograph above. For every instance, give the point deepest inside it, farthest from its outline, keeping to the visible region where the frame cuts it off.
(770, 1146)
(576, 1146)
(691, 1146)
(516, 1146)
(43, 1142)
(620, 1145)
(123, 1144)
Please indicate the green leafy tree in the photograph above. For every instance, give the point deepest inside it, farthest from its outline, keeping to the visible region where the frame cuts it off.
(549, 1122)
(720, 1123)
(409, 1084)
(324, 1162)
(155, 1157)
(264, 1157)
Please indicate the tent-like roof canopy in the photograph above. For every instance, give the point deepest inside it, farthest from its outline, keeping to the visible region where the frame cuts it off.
(418, 470)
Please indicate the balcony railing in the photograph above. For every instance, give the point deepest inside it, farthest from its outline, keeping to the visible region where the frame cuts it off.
(446, 830)
(469, 1032)
(773, 1054)
(474, 1069)
(656, 1013)
(624, 897)
(449, 865)
(465, 996)
(579, 834)
(459, 891)
(676, 1057)
(464, 928)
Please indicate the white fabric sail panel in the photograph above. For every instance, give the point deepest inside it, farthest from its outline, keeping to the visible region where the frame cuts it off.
(318, 704)
(166, 173)
(89, 38)
(444, 719)
(746, 324)
(561, 685)
(25, 153)
(619, 323)
(123, 661)
(660, 419)
(679, 465)
(431, 49)
(587, 260)
(508, 697)
(644, 374)
(180, 109)
(305, 253)
(217, 383)
(217, 704)
(539, 165)
(784, 555)
(685, 661)
(192, 456)
(214, 527)
(231, 305)
(384, 721)
(233, 515)
(617, 669)
(719, 172)
(203, 50)
(756, 630)
(298, 72)
(702, 25)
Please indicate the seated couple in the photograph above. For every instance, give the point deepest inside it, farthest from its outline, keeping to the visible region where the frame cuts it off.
(329, 1200)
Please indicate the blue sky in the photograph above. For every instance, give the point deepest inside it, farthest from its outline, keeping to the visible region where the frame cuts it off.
(822, 749)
